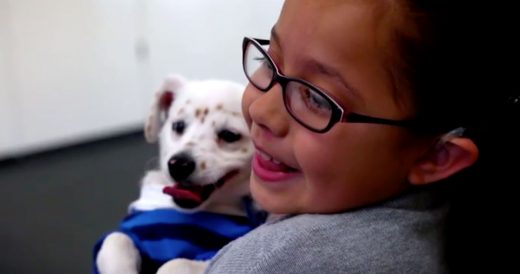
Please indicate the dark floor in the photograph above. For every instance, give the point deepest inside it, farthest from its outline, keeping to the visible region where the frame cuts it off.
(55, 205)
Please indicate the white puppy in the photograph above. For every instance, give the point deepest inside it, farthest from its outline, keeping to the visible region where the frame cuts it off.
(194, 203)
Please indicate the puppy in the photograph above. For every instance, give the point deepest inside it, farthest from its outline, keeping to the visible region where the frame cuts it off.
(197, 200)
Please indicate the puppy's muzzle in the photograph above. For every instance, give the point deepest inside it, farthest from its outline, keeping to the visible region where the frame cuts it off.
(181, 166)
(187, 193)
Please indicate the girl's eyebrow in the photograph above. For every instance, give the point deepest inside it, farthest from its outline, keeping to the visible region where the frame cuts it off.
(333, 73)
(321, 68)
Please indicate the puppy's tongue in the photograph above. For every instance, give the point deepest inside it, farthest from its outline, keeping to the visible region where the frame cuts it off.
(184, 194)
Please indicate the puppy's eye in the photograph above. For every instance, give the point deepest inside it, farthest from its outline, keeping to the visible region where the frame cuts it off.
(178, 127)
(229, 136)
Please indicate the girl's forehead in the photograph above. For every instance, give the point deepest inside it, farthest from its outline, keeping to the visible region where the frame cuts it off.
(351, 36)
(352, 23)
(340, 29)
(331, 32)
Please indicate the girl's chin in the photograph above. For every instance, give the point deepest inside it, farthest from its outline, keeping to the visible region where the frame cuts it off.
(273, 199)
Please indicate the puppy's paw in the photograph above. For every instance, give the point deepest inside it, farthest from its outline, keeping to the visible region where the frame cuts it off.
(118, 255)
(183, 266)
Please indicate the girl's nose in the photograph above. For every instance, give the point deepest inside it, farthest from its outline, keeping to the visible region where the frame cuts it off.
(268, 111)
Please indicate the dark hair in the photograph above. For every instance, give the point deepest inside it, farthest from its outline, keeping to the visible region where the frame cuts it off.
(456, 61)
(461, 67)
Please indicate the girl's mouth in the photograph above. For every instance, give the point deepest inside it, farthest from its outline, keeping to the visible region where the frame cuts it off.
(269, 169)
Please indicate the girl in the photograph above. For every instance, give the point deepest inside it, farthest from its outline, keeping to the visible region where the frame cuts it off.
(359, 111)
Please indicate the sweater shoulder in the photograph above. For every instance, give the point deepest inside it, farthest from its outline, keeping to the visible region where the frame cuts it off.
(335, 243)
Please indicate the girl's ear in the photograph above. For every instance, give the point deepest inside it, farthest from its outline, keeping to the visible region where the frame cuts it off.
(443, 160)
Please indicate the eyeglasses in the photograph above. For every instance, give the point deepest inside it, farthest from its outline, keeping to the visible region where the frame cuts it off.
(307, 104)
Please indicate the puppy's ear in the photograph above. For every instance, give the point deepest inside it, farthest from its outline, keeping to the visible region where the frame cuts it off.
(163, 101)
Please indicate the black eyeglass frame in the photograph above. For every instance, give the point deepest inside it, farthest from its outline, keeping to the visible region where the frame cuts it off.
(338, 113)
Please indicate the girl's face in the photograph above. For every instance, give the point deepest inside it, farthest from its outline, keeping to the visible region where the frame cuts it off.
(334, 45)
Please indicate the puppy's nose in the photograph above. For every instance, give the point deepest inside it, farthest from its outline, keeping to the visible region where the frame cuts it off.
(181, 166)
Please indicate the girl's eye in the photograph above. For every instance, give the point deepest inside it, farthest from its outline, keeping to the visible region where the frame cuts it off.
(229, 136)
(178, 127)
(314, 101)
(265, 64)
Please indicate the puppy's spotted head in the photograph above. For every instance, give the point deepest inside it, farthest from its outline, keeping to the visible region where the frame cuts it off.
(204, 141)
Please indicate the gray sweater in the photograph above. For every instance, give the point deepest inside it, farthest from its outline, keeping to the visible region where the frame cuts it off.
(403, 235)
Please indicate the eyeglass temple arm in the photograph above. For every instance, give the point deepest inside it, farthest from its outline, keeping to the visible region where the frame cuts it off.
(417, 125)
(358, 118)
(262, 41)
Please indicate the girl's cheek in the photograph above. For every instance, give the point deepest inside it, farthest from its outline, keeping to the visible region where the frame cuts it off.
(246, 103)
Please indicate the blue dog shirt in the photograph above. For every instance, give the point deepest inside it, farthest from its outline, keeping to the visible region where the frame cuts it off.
(164, 234)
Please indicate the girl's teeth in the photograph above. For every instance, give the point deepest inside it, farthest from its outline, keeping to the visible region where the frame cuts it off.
(265, 156)
(269, 158)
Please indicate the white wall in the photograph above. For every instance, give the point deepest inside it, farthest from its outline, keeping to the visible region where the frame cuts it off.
(9, 134)
(72, 70)
(203, 38)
